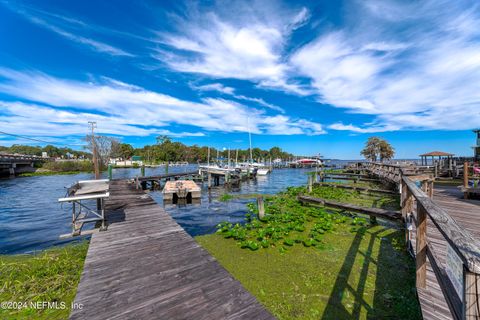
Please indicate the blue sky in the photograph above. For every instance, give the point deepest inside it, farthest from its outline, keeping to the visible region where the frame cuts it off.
(310, 77)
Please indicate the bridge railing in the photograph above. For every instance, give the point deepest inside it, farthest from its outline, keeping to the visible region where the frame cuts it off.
(11, 157)
(458, 272)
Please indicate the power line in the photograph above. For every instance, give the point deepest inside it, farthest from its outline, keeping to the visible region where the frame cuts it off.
(38, 140)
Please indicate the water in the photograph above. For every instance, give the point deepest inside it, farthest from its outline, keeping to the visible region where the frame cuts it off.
(32, 219)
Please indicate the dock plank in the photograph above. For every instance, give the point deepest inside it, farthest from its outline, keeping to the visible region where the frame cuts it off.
(466, 213)
(147, 267)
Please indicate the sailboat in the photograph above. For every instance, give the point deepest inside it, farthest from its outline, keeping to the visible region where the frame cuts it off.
(256, 168)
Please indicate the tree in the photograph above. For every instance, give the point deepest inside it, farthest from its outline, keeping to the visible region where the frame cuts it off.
(106, 147)
(123, 150)
(377, 149)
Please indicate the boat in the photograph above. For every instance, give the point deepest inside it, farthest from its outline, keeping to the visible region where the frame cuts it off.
(262, 171)
(309, 161)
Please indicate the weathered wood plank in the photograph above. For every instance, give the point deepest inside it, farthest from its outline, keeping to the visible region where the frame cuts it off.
(377, 212)
(383, 191)
(147, 267)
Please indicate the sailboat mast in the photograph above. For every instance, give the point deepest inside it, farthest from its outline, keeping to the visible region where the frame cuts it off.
(250, 140)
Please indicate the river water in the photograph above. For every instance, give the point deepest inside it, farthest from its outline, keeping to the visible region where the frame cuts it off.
(32, 219)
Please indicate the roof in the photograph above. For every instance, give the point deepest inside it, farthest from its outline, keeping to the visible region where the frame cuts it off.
(437, 154)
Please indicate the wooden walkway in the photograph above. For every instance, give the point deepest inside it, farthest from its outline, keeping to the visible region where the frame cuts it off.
(147, 267)
(467, 215)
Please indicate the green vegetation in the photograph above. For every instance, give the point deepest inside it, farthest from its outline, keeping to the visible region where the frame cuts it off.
(449, 182)
(350, 196)
(165, 150)
(225, 197)
(48, 276)
(173, 151)
(46, 173)
(306, 262)
(69, 166)
(287, 221)
(377, 149)
(51, 151)
(348, 277)
(228, 197)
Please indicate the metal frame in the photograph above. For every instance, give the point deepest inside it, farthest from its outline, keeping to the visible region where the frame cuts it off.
(81, 213)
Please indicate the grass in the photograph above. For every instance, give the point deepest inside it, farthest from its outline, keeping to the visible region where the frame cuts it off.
(65, 166)
(47, 173)
(306, 262)
(349, 277)
(355, 197)
(449, 182)
(49, 276)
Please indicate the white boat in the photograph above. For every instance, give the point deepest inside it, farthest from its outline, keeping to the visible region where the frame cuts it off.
(262, 171)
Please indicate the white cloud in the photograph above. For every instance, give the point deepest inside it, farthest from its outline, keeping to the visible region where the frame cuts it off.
(125, 109)
(215, 87)
(248, 45)
(33, 15)
(414, 65)
(231, 91)
(368, 129)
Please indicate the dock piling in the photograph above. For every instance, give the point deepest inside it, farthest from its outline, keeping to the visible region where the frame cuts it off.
(261, 207)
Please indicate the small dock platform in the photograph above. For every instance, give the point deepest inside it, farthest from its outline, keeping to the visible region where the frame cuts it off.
(181, 189)
(147, 267)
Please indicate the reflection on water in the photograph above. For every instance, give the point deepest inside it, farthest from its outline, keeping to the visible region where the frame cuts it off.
(32, 219)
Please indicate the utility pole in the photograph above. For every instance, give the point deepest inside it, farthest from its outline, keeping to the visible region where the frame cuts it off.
(93, 125)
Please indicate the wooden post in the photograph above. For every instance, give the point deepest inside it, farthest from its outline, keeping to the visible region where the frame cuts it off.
(310, 183)
(136, 182)
(471, 298)
(405, 198)
(110, 171)
(142, 170)
(430, 189)
(421, 257)
(465, 174)
(261, 207)
(209, 183)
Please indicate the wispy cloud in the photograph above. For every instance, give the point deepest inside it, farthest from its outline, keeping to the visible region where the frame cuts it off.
(365, 129)
(218, 87)
(44, 19)
(215, 87)
(412, 65)
(248, 45)
(129, 109)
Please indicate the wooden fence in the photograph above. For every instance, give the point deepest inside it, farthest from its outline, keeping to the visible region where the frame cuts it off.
(459, 273)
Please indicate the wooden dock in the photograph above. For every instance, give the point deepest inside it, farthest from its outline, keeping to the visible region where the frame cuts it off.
(147, 267)
(443, 233)
(467, 214)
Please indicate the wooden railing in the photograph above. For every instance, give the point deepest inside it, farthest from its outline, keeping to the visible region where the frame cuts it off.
(459, 276)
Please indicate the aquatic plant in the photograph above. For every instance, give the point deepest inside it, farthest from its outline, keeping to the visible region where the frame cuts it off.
(225, 197)
(287, 222)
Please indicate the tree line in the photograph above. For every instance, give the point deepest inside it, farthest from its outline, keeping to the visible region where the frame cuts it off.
(167, 150)
(164, 150)
(51, 151)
